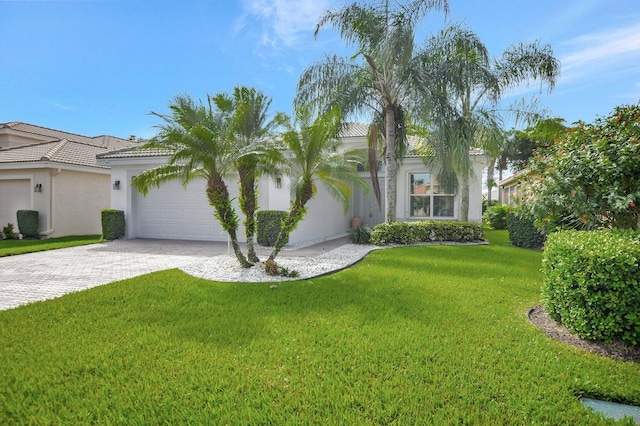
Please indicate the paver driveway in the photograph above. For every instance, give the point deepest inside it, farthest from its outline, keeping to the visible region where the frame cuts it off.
(45, 275)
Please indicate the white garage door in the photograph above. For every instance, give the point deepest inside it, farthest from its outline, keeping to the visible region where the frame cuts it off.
(171, 212)
(15, 194)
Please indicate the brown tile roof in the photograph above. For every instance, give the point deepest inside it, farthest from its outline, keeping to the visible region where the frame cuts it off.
(105, 141)
(63, 152)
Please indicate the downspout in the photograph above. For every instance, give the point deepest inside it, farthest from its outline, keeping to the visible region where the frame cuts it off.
(52, 204)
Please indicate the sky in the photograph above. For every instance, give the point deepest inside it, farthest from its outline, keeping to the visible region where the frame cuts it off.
(96, 67)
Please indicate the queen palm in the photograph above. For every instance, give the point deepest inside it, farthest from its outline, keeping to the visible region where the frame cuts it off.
(314, 155)
(196, 137)
(381, 79)
(466, 88)
(250, 128)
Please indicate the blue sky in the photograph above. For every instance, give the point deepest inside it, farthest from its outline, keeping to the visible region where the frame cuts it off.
(100, 66)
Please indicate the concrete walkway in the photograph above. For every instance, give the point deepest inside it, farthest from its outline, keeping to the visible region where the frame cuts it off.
(45, 275)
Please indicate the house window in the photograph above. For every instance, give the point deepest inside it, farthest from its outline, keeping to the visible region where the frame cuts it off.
(429, 198)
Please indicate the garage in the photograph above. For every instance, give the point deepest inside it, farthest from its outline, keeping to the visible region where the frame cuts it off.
(173, 212)
(15, 194)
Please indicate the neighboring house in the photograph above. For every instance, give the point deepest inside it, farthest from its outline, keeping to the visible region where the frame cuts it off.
(56, 174)
(509, 189)
(174, 212)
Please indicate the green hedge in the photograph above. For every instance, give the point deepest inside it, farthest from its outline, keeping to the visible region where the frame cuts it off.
(592, 283)
(496, 216)
(268, 224)
(112, 224)
(28, 223)
(425, 231)
(522, 231)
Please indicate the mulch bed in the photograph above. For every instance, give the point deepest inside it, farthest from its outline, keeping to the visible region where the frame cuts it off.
(617, 350)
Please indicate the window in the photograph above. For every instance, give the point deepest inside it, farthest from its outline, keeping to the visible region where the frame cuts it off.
(429, 198)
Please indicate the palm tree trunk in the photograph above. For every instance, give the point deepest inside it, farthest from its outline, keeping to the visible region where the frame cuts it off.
(464, 199)
(297, 213)
(248, 205)
(491, 174)
(390, 164)
(219, 198)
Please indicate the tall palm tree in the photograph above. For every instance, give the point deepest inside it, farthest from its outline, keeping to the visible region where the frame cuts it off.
(382, 78)
(197, 137)
(314, 155)
(467, 87)
(250, 128)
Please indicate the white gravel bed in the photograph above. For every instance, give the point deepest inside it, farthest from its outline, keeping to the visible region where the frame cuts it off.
(227, 269)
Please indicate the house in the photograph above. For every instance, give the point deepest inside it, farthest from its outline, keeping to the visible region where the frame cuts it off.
(509, 188)
(55, 173)
(175, 212)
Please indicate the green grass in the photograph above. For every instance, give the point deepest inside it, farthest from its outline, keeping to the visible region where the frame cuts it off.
(417, 335)
(13, 247)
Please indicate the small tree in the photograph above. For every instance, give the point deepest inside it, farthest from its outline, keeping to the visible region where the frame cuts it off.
(314, 156)
(590, 177)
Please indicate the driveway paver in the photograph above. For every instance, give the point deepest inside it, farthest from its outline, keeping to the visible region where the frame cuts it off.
(45, 275)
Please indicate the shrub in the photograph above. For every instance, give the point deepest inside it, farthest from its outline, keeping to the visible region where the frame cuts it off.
(588, 179)
(486, 204)
(8, 232)
(112, 224)
(522, 231)
(496, 216)
(268, 226)
(28, 223)
(425, 231)
(360, 235)
(273, 269)
(591, 283)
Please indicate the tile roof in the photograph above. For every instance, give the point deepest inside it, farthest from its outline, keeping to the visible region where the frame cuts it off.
(105, 141)
(354, 130)
(350, 130)
(63, 152)
(136, 152)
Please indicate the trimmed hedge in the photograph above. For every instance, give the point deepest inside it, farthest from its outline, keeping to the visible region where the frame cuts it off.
(425, 231)
(592, 283)
(112, 224)
(28, 223)
(523, 233)
(268, 224)
(496, 216)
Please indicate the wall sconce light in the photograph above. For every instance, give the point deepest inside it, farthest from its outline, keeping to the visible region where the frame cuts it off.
(278, 182)
(37, 188)
(116, 184)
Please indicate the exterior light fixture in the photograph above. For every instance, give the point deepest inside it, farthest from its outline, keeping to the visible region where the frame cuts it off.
(116, 184)
(278, 182)
(37, 188)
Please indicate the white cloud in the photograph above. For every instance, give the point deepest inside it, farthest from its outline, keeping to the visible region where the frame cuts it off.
(282, 21)
(613, 51)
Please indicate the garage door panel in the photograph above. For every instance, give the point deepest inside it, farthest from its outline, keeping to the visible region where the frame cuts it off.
(173, 212)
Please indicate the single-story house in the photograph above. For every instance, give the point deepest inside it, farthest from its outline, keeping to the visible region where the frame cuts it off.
(175, 212)
(509, 188)
(56, 174)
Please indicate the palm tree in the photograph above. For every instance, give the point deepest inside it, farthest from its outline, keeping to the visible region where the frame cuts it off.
(313, 155)
(196, 136)
(381, 78)
(466, 89)
(249, 129)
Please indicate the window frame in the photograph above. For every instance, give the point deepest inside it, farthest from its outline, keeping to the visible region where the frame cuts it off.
(434, 192)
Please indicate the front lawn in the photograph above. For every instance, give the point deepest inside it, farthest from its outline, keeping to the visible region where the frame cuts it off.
(417, 335)
(13, 247)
